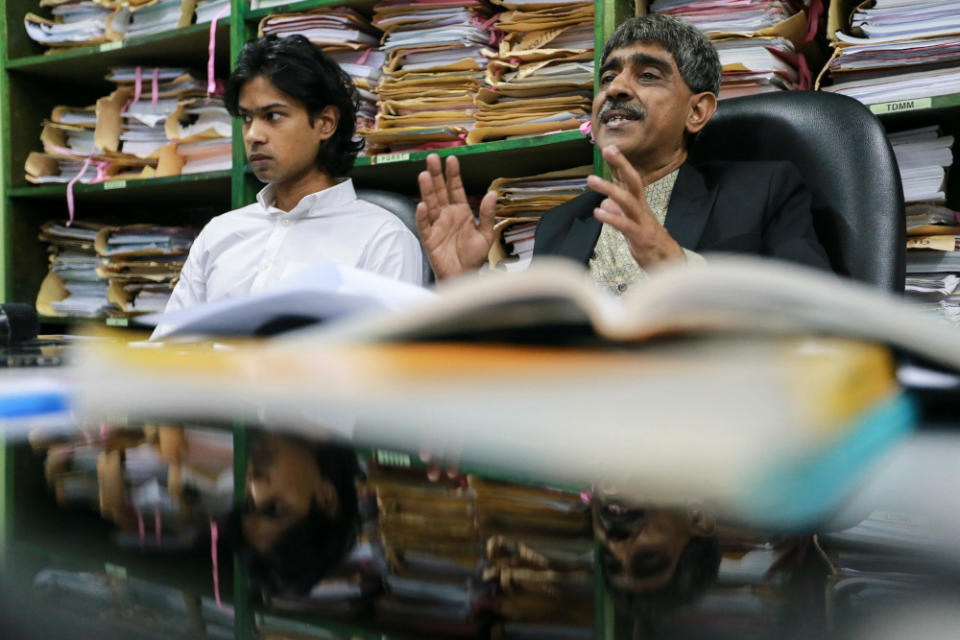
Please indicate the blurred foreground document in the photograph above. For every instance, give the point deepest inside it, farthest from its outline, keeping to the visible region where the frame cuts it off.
(318, 293)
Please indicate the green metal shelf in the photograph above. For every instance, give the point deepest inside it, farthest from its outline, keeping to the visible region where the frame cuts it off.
(188, 187)
(88, 64)
(480, 163)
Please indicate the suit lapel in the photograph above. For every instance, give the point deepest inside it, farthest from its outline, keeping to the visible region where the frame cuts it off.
(578, 243)
(690, 205)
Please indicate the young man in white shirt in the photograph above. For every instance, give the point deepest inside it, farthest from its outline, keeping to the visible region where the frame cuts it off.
(298, 110)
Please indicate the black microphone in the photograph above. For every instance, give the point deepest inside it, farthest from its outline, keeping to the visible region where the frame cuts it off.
(18, 323)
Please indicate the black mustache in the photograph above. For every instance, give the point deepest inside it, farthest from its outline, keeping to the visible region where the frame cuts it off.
(632, 110)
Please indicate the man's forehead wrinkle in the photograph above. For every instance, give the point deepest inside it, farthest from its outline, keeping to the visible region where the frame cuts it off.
(616, 61)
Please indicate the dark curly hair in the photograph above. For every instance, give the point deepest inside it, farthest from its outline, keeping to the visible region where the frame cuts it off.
(301, 70)
(309, 549)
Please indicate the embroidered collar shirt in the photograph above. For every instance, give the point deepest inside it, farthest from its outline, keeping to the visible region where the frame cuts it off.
(249, 250)
(612, 265)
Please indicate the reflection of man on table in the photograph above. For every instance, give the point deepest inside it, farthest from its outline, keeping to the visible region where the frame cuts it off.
(658, 84)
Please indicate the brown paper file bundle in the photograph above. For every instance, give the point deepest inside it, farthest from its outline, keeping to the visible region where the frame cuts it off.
(433, 54)
(72, 287)
(71, 135)
(79, 23)
(142, 264)
(534, 87)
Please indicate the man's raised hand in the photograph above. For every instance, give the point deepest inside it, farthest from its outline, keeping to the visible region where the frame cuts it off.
(454, 240)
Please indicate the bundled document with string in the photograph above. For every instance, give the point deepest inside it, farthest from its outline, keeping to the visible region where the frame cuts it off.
(540, 77)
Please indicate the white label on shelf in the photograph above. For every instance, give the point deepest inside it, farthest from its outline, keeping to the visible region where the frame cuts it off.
(902, 105)
(114, 184)
(393, 458)
(384, 158)
(110, 46)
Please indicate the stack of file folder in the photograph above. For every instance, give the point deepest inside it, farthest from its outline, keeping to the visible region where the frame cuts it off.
(434, 550)
(540, 78)
(75, 24)
(520, 204)
(158, 122)
(924, 157)
(434, 67)
(759, 41)
(142, 264)
(761, 65)
(202, 128)
(718, 18)
(72, 287)
(893, 50)
(538, 557)
(207, 10)
(348, 38)
(86, 22)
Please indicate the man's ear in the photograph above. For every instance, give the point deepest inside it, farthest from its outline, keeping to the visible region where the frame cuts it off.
(702, 107)
(325, 494)
(325, 123)
(702, 522)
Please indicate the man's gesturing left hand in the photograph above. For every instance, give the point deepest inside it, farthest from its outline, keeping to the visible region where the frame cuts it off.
(625, 209)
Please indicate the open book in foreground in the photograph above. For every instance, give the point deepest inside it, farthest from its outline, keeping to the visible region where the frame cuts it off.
(555, 302)
(745, 411)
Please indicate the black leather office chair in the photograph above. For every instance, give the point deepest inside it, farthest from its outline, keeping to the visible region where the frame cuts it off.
(404, 208)
(842, 152)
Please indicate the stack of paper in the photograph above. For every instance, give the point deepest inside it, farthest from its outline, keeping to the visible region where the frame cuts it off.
(156, 93)
(538, 553)
(933, 256)
(76, 23)
(923, 155)
(434, 551)
(726, 17)
(541, 76)
(157, 17)
(434, 67)
(142, 264)
(520, 203)
(892, 50)
(72, 287)
(348, 38)
(758, 41)
(208, 9)
(203, 128)
(760, 65)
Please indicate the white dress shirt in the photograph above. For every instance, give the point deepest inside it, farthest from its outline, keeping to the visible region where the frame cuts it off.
(248, 250)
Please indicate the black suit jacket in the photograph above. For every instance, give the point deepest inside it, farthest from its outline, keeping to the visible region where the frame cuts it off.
(758, 208)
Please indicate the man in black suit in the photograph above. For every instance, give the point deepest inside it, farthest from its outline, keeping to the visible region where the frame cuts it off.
(658, 84)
